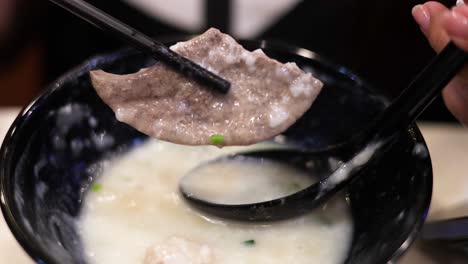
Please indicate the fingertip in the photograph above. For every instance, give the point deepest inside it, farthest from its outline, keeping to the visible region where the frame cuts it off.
(434, 8)
(421, 16)
(435, 33)
(455, 22)
(461, 10)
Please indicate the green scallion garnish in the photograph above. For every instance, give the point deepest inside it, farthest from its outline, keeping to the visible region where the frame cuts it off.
(96, 187)
(249, 242)
(217, 139)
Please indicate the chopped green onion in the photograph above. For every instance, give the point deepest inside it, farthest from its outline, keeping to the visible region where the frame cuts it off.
(249, 243)
(217, 139)
(96, 187)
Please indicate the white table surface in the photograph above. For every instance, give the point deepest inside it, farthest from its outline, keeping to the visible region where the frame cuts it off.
(448, 146)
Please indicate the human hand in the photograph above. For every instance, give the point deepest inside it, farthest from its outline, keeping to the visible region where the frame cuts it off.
(441, 24)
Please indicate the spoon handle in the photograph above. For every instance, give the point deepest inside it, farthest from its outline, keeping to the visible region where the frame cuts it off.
(144, 43)
(421, 92)
(450, 230)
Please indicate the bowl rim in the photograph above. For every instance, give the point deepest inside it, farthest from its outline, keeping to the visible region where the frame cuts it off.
(40, 254)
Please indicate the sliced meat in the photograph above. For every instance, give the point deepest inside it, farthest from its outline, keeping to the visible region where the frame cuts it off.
(266, 97)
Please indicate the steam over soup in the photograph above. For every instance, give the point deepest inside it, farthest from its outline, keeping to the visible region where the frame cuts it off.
(134, 213)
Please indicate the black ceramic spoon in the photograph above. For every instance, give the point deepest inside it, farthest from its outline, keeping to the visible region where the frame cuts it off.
(371, 143)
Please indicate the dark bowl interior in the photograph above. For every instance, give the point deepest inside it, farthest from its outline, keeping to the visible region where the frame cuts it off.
(47, 156)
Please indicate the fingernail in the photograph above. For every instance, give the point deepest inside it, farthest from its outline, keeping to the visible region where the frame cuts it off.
(456, 23)
(422, 16)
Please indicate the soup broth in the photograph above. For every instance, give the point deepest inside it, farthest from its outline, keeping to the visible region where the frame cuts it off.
(133, 213)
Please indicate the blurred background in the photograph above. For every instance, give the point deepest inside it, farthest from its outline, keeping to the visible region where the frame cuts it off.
(376, 39)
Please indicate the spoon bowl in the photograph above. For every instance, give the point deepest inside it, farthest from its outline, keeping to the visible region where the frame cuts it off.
(326, 172)
(275, 178)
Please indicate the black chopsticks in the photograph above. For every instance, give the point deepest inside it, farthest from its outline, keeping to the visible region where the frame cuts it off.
(144, 43)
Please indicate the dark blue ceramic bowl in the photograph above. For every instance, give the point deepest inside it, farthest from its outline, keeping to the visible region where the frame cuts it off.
(46, 156)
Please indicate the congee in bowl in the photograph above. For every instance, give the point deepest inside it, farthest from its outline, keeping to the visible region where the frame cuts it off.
(136, 199)
(78, 186)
